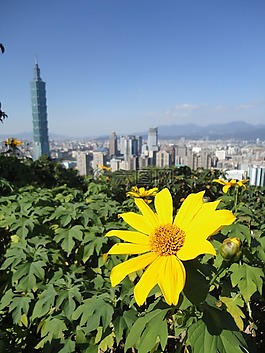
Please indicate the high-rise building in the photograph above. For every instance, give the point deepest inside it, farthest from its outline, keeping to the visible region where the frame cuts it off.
(99, 159)
(128, 146)
(113, 149)
(163, 159)
(83, 163)
(152, 141)
(39, 115)
(256, 175)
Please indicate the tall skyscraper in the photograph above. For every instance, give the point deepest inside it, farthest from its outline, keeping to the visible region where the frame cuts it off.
(113, 149)
(153, 139)
(39, 115)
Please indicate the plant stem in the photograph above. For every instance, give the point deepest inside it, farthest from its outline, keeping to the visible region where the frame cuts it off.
(236, 200)
(218, 272)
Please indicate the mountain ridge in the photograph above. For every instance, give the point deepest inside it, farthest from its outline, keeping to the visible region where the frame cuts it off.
(240, 130)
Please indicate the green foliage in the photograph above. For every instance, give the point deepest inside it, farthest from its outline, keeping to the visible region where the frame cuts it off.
(43, 173)
(55, 292)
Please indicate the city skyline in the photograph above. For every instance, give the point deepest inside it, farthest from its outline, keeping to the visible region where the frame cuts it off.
(128, 66)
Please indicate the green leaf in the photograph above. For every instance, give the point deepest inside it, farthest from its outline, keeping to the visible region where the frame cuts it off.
(45, 302)
(202, 341)
(68, 346)
(195, 279)
(232, 305)
(247, 278)
(23, 226)
(26, 274)
(67, 300)
(237, 230)
(67, 236)
(6, 299)
(18, 307)
(147, 330)
(93, 312)
(124, 323)
(52, 327)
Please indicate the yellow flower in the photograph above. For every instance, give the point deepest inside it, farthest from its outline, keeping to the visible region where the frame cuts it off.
(142, 193)
(12, 142)
(232, 183)
(103, 167)
(165, 242)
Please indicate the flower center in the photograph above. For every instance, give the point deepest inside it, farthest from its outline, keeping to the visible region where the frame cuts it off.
(167, 239)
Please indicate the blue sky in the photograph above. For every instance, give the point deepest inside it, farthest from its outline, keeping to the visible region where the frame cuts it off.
(127, 65)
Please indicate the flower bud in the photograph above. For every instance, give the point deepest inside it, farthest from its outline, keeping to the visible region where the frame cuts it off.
(231, 249)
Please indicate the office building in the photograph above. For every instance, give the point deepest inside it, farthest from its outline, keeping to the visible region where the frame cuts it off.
(152, 141)
(113, 147)
(256, 175)
(83, 161)
(163, 159)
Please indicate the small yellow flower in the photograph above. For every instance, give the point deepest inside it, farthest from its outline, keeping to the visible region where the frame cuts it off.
(142, 193)
(103, 167)
(232, 183)
(164, 242)
(12, 142)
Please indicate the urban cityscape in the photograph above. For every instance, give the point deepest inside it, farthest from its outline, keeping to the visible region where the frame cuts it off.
(239, 160)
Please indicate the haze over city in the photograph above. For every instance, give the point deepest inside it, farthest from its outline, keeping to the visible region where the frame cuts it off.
(127, 65)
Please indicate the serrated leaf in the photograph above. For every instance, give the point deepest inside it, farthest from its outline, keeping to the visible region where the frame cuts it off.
(147, 330)
(67, 237)
(53, 328)
(237, 230)
(45, 302)
(93, 312)
(25, 275)
(247, 278)
(68, 346)
(232, 305)
(202, 341)
(6, 299)
(106, 343)
(18, 307)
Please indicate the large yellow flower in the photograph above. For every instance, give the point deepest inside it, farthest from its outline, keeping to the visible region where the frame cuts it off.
(165, 242)
(142, 193)
(232, 183)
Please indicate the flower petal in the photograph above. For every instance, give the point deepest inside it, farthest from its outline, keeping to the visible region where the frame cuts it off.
(220, 181)
(128, 248)
(119, 272)
(152, 192)
(208, 222)
(146, 211)
(137, 222)
(147, 282)
(132, 193)
(171, 279)
(130, 236)
(226, 188)
(192, 249)
(164, 206)
(188, 210)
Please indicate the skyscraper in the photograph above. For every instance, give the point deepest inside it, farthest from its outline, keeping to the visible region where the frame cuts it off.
(113, 149)
(153, 139)
(39, 115)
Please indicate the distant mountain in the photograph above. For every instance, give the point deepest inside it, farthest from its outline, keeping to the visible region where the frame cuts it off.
(28, 136)
(234, 130)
